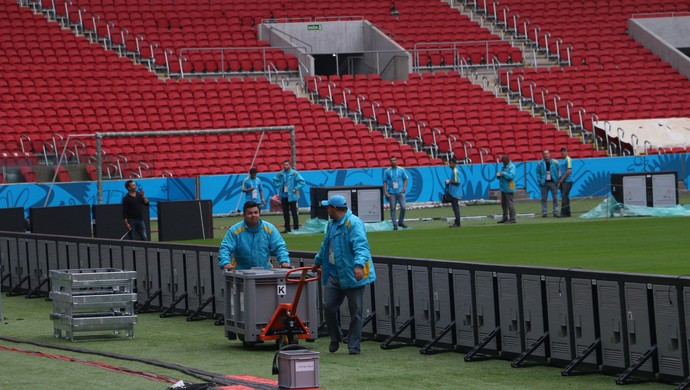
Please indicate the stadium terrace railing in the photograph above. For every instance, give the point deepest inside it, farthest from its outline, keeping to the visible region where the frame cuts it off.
(227, 63)
(462, 58)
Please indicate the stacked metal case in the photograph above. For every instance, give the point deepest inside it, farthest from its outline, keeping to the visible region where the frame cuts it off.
(94, 303)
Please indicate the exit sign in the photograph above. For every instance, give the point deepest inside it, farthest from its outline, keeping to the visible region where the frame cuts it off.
(314, 27)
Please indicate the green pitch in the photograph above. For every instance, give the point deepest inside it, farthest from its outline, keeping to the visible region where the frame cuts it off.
(643, 245)
(640, 245)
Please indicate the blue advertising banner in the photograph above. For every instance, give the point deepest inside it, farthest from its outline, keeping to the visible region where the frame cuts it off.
(29, 195)
(426, 184)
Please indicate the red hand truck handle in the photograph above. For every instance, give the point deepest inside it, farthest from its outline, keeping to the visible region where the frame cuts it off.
(301, 282)
(303, 278)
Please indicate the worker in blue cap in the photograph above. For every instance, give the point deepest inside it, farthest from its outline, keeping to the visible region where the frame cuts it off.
(347, 268)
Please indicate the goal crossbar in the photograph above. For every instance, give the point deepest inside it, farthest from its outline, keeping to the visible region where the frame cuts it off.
(168, 133)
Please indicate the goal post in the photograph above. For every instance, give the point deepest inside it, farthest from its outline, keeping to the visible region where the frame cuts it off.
(100, 136)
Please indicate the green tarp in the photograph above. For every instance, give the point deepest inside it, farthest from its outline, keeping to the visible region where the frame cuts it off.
(610, 208)
(316, 225)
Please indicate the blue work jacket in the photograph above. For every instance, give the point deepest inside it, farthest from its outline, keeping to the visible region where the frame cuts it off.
(563, 167)
(293, 180)
(255, 194)
(246, 248)
(454, 190)
(541, 171)
(395, 179)
(507, 179)
(350, 249)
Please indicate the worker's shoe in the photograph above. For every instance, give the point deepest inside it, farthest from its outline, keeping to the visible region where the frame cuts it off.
(354, 352)
(333, 346)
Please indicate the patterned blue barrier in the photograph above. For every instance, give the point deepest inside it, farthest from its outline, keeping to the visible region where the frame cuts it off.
(426, 184)
(62, 194)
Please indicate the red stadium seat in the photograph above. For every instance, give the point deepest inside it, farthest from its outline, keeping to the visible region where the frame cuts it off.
(90, 89)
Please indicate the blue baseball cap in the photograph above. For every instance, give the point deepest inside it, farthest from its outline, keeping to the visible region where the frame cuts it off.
(335, 201)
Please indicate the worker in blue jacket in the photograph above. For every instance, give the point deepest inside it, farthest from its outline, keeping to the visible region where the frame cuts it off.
(289, 182)
(547, 177)
(394, 188)
(565, 182)
(347, 268)
(253, 188)
(454, 190)
(251, 242)
(506, 177)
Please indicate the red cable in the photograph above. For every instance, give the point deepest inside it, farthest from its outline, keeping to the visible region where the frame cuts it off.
(106, 366)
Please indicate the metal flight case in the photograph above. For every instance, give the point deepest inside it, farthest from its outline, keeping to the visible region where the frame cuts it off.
(94, 303)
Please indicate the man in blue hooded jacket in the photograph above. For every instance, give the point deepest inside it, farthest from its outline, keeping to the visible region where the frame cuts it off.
(251, 243)
(453, 188)
(253, 188)
(506, 178)
(547, 177)
(289, 182)
(394, 188)
(347, 268)
(565, 181)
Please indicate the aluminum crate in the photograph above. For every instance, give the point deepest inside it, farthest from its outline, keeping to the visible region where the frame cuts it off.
(67, 280)
(93, 303)
(95, 326)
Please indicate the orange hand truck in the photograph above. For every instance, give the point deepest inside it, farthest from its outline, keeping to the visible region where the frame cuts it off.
(285, 325)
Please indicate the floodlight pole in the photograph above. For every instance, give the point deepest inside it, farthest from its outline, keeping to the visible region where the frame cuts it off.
(122, 134)
(293, 144)
(99, 167)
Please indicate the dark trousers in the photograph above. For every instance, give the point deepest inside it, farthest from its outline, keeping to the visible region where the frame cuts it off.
(547, 187)
(508, 206)
(287, 208)
(334, 295)
(456, 210)
(565, 198)
(138, 231)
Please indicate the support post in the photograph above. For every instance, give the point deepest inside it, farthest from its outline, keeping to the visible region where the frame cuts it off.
(427, 349)
(386, 344)
(477, 348)
(623, 378)
(99, 167)
(148, 302)
(570, 368)
(518, 362)
(195, 314)
(166, 311)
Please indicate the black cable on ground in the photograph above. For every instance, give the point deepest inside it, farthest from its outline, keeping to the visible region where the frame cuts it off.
(106, 366)
(206, 376)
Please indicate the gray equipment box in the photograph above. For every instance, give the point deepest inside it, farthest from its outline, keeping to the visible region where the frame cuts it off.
(298, 369)
(486, 319)
(557, 295)
(512, 329)
(96, 302)
(464, 315)
(612, 327)
(253, 295)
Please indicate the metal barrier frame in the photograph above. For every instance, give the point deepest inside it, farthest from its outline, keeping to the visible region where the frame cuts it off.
(645, 336)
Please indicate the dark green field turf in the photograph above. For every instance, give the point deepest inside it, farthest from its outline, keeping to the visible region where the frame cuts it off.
(202, 345)
(641, 245)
